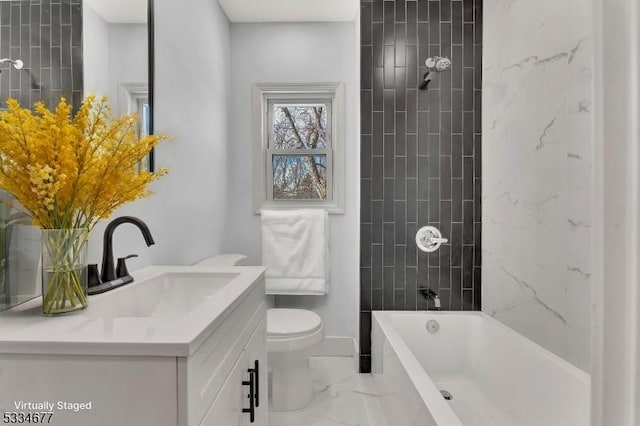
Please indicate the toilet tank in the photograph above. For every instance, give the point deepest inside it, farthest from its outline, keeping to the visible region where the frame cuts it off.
(223, 260)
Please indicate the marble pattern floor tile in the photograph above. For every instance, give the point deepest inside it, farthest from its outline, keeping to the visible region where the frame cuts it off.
(343, 397)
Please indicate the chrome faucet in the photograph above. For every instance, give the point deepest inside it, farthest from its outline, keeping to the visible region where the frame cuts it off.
(431, 295)
(111, 277)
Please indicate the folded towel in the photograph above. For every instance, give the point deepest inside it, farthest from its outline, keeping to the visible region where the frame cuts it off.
(295, 251)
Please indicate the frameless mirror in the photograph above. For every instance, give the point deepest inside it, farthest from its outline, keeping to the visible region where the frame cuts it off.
(118, 58)
(40, 60)
(68, 48)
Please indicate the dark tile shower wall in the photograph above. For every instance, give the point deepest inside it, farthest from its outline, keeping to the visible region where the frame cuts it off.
(421, 154)
(47, 36)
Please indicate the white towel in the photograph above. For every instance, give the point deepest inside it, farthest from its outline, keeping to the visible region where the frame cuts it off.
(295, 251)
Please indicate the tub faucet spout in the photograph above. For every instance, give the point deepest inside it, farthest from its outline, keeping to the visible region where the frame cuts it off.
(430, 294)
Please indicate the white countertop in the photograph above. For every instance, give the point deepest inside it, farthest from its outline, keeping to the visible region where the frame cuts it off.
(25, 330)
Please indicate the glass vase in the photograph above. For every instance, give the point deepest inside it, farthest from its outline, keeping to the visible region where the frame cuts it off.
(64, 270)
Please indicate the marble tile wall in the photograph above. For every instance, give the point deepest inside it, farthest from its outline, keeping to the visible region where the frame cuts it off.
(47, 36)
(536, 171)
(420, 156)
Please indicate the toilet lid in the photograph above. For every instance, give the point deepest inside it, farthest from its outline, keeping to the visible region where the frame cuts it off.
(292, 322)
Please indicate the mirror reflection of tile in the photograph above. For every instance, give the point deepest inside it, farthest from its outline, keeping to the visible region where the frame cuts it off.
(52, 69)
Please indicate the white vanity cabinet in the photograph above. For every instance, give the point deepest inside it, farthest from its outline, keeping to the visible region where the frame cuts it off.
(245, 389)
(257, 351)
(195, 368)
(221, 374)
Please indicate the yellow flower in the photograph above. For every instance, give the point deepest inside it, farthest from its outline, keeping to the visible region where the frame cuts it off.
(72, 172)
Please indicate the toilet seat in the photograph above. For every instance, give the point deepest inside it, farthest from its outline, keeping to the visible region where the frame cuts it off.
(292, 322)
(292, 329)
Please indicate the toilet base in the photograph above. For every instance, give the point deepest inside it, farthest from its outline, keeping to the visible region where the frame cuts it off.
(291, 386)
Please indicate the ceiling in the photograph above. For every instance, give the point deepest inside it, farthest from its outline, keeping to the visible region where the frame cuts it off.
(120, 11)
(290, 10)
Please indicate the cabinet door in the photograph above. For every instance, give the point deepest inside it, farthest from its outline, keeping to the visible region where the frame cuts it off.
(226, 409)
(256, 350)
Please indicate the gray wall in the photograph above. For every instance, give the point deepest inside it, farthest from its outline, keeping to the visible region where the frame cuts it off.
(128, 58)
(113, 54)
(186, 215)
(324, 52)
(95, 48)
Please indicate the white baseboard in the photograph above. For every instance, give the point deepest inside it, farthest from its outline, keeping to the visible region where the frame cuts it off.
(335, 346)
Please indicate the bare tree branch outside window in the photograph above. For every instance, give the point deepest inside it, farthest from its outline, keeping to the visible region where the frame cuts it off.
(299, 176)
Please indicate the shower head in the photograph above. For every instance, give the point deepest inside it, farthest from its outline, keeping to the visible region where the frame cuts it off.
(17, 63)
(438, 63)
(434, 64)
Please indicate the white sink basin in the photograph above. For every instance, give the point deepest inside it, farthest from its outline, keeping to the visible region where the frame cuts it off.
(165, 311)
(169, 295)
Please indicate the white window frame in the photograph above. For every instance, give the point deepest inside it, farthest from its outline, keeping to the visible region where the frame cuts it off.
(266, 94)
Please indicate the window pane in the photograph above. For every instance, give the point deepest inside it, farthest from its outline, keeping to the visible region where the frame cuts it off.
(299, 177)
(300, 126)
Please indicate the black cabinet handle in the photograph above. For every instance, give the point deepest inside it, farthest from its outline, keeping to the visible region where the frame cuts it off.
(251, 383)
(256, 394)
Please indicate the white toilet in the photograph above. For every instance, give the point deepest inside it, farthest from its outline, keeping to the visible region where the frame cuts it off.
(292, 335)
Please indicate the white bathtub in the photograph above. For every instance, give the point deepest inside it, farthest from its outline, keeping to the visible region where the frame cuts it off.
(496, 376)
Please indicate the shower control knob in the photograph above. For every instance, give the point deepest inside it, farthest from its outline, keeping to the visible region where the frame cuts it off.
(429, 239)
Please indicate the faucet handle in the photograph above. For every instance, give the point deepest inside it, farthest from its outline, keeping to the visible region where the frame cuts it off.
(121, 269)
